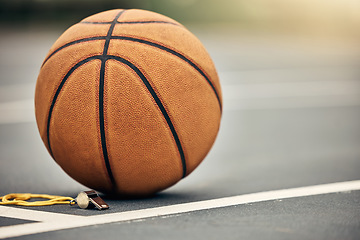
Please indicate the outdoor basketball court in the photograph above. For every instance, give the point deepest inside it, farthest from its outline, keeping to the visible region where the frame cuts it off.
(285, 165)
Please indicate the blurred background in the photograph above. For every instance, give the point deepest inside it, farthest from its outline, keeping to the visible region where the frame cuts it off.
(320, 16)
(331, 16)
(290, 73)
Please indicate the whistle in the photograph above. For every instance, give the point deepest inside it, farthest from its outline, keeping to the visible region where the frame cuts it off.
(90, 199)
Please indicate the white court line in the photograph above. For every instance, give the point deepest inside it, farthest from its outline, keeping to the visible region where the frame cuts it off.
(240, 96)
(21, 111)
(55, 221)
(33, 215)
(291, 95)
(292, 89)
(291, 103)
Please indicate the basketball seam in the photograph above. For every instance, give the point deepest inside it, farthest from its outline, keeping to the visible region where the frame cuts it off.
(177, 54)
(159, 46)
(57, 92)
(132, 22)
(104, 58)
(72, 43)
(160, 106)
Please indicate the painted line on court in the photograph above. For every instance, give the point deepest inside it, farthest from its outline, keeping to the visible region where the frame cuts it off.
(291, 94)
(292, 89)
(55, 221)
(238, 96)
(291, 103)
(21, 111)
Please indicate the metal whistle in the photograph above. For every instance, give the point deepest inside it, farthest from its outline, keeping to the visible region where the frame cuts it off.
(90, 199)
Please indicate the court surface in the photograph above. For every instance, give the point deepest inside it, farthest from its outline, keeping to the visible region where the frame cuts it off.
(285, 165)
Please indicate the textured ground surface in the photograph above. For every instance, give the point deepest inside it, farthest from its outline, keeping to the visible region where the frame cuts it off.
(291, 119)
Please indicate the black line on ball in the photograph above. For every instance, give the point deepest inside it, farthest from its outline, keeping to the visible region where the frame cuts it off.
(146, 22)
(102, 122)
(111, 29)
(72, 43)
(101, 100)
(130, 22)
(179, 55)
(58, 90)
(144, 42)
(86, 22)
(159, 104)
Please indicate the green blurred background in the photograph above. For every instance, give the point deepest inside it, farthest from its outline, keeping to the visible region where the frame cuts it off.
(315, 17)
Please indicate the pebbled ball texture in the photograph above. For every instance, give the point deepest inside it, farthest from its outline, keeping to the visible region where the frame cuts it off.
(128, 102)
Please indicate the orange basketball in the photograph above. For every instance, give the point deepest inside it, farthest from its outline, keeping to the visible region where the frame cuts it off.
(128, 102)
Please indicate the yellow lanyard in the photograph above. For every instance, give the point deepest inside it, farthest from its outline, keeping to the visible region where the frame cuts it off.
(21, 199)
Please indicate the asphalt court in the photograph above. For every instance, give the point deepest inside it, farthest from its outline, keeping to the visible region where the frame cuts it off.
(291, 121)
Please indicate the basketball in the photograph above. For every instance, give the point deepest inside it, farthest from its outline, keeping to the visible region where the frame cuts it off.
(128, 102)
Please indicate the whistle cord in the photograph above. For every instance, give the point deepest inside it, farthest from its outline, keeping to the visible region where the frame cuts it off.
(21, 199)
